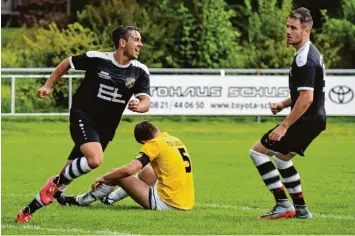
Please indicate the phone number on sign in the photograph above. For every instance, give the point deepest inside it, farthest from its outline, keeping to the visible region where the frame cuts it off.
(174, 105)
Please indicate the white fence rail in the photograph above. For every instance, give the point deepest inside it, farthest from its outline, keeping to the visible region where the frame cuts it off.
(190, 71)
(209, 91)
(37, 76)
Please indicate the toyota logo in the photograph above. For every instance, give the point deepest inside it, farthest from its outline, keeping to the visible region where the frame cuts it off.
(341, 94)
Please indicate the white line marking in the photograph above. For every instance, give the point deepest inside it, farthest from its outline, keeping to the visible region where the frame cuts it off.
(213, 205)
(37, 227)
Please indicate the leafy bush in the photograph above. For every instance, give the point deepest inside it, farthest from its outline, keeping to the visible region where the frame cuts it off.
(5, 96)
(265, 34)
(39, 47)
(26, 99)
(336, 39)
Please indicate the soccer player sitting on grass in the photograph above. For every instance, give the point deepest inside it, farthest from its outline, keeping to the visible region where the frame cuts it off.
(168, 182)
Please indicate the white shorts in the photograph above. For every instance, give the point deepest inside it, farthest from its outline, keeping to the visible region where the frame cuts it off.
(156, 203)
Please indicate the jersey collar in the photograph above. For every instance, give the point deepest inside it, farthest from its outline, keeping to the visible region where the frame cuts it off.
(303, 46)
(118, 64)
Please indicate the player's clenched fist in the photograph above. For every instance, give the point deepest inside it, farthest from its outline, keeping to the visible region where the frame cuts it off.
(276, 107)
(133, 105)
(43, 92)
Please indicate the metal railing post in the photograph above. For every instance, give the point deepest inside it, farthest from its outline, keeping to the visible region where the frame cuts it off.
(223, 72)
(70, 95)
(258, 118)
(13, 81)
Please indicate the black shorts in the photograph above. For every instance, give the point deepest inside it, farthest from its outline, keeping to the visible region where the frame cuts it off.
(83, 130)
(297, 138)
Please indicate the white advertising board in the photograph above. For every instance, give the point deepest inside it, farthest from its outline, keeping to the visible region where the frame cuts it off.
(239, 95)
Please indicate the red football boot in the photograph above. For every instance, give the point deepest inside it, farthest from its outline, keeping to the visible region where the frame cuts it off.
(48, 191)
(23, 217)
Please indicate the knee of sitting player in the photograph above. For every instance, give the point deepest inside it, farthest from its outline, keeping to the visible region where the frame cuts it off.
(111, 182)
(117, 182)
(147, 175)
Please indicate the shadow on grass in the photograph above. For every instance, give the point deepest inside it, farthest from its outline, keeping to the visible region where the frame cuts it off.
(100, 206)
(116, 207)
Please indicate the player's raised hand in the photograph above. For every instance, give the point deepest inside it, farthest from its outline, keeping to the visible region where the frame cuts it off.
(97, 182)
(43, 92)
(278, 133)
(276, 107)
(133, 104)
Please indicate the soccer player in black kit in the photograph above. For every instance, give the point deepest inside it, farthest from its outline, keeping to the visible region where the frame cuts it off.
(111, 79)
(305, 122)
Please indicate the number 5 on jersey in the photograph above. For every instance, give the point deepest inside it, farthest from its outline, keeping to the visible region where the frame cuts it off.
(185, 158)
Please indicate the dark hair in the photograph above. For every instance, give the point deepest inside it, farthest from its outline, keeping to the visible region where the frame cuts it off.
(144, 131)
(121, 32)
(304, 15)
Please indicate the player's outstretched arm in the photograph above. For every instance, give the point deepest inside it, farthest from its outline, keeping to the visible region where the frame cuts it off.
(118, 173)
(58, 72)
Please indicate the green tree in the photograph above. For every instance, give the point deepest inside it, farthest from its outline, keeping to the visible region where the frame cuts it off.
(104, 16)
(192, 33)
(264, 34)
(336, 39)
(203, 34)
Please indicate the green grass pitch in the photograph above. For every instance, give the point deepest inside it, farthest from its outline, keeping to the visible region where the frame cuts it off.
(230, 194)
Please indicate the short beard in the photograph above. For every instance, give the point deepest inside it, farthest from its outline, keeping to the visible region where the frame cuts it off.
(132, 57)
(295, 43)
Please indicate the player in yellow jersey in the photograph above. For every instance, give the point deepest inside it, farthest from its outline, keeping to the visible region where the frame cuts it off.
(166, 184)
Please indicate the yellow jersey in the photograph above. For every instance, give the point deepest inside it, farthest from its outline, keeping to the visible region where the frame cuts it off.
(172, 166)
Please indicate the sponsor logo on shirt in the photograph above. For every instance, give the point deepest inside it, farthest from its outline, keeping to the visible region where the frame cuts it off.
(130, 82)
(104, 75)
(110, 93)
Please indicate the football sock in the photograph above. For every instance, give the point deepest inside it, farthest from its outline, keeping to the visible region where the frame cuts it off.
(62, 188)
(37, 203)
(269, 174)
(34, 205)
(90, 196)
(119, 194)
(291, 180)
(77, 168)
